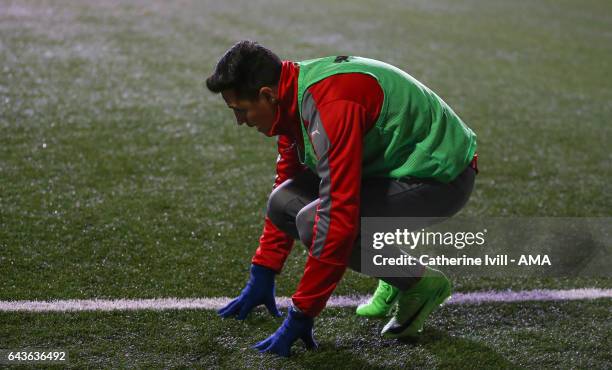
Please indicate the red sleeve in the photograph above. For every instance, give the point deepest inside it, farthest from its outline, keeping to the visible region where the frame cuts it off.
(339, 149)
(275, 245)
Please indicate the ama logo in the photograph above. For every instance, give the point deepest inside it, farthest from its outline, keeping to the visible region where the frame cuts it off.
(539, 260)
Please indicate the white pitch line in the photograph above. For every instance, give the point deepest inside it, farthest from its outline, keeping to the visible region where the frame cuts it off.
(335, 301)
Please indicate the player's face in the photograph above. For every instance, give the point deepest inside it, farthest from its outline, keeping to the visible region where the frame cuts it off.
(259, 112)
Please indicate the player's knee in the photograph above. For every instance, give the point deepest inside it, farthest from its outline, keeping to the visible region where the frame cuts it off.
(277, 203)
(304, 222)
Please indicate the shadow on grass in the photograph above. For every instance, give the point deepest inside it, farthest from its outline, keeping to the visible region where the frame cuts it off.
(449, 353)
(456, 352)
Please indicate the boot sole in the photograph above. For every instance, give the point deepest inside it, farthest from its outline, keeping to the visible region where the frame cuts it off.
(416, 327)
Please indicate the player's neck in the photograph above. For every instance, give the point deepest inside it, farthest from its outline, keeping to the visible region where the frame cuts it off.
(287, 120)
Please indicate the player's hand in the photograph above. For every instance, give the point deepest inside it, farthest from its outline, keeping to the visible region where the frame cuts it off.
(259, 290)
(296, 326)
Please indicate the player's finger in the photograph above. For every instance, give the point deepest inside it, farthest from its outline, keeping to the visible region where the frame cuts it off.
(231, 309)
(229, 304)
(223, 310)
(271, 306)
(245, 310)
(261, 346)
(280, 348)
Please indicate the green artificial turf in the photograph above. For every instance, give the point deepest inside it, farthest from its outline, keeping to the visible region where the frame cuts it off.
(121, 176)
(527, 335)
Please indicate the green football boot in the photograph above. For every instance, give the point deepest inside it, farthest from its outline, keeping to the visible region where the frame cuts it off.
(381, 302)
(415, 304)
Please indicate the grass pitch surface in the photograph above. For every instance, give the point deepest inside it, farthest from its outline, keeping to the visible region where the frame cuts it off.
(121, 177)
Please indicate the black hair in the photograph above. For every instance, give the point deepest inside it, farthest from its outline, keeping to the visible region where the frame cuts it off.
(246, 67)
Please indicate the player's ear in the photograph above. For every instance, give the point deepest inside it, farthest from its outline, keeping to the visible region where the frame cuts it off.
(269, 94)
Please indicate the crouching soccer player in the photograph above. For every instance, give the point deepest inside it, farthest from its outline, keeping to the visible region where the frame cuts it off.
(356, 138)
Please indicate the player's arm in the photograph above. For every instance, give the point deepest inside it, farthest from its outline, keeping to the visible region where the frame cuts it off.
(274, 247)
(274, 244)
(336, 131)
